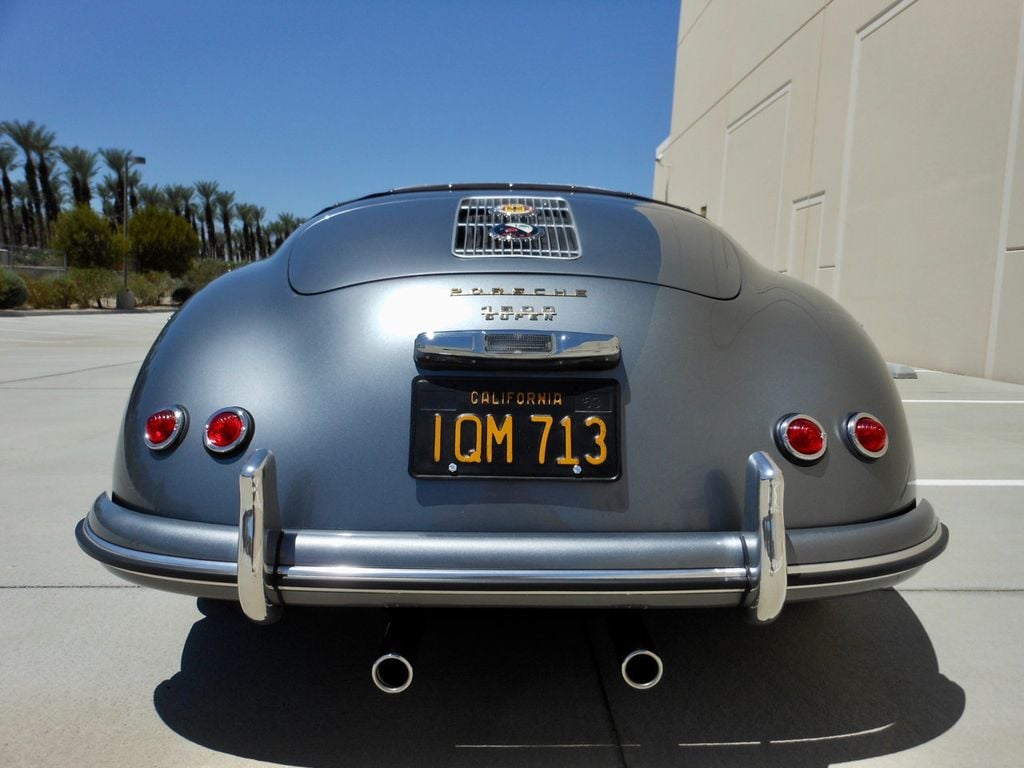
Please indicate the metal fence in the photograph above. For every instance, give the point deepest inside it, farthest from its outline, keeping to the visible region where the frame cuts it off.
(33, 262)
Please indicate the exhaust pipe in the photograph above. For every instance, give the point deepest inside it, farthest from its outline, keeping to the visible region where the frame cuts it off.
(392, 673)
(641, 666)
(642, 669)
(392, 670)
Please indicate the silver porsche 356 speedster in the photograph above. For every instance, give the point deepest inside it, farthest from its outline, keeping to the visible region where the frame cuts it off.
(510, 395)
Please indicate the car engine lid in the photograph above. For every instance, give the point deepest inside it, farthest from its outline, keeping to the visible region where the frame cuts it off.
(543, 232)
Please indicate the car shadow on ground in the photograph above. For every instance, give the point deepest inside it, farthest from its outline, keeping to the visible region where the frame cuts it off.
(829, 682)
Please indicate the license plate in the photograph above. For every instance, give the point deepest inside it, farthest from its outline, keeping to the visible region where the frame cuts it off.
(511, 428)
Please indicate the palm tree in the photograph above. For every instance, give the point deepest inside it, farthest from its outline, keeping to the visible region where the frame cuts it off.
(25, 135)
(59, 188)
(152, 196)
(290, 223)
(46, 151)
(117, 160)
(261, 249)
(134, 182)
(273, 234)
(280, 228)
(192, 214)
(25, 208)
(180, 197)
(239, 239)
(81, 165)
(109, 192)
(247, 212)
(206, 191)
(225, 202)
(11, 231)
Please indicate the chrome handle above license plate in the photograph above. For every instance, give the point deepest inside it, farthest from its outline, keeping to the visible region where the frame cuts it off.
(516, 349)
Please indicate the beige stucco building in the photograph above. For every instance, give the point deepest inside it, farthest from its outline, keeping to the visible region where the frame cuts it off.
(872, 148)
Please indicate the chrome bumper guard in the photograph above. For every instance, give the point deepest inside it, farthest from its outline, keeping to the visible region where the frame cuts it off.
(768, 574)
(258, 522)
(259, 563)
(259, 519)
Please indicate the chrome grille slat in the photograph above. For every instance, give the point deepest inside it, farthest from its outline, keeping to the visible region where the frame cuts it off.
(518, 342)
(475, 217)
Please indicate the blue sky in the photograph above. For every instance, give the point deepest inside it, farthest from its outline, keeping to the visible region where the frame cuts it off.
(295, 105)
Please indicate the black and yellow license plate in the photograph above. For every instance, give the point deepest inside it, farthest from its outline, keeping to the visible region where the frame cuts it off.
(510, 428)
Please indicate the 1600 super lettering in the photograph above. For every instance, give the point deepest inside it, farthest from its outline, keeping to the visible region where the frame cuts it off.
(506, 395)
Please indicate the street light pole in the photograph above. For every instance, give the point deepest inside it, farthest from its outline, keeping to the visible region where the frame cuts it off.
(125, 300)
(129, 160)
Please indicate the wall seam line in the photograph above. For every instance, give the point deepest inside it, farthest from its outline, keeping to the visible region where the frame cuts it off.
(1004, 214)
(751, 71)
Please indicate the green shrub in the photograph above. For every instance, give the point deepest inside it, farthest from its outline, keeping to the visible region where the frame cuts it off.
(94, 285)
(204, 271)
(150, 287)
(54, 292)
(13, 291)
(164, 283)
(162, 241)
(87, 239)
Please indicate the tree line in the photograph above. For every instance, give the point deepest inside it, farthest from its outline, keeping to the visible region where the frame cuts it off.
(59, 178)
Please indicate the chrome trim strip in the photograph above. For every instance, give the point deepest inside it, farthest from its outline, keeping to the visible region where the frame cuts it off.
(257, 516)
(480, 576)
(523, 592)
(158, 561)
(883, 579)
(841, 566)
(173, 579)
(765, 487)
(560, 348)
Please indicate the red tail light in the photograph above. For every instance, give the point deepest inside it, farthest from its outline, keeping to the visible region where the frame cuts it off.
(801, 437)
(867, 435)
(227, 430)
(164, 427)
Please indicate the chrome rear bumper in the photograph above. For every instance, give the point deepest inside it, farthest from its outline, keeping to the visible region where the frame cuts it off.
(263, 567)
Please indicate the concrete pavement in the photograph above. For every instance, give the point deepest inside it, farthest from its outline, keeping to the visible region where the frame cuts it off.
(96, 672)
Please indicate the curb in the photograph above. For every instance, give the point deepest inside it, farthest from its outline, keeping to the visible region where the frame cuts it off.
(51, 312)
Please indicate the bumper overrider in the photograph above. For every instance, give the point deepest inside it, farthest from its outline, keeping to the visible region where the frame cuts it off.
(265, 567)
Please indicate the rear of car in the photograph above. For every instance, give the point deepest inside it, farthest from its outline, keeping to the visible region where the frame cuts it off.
(504, 395)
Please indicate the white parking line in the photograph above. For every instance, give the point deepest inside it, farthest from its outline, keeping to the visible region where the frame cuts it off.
(968, 483)
(808, 740)
(837, 737)
(720, 744)
(968, 402)
(70, 373)
(546, 746)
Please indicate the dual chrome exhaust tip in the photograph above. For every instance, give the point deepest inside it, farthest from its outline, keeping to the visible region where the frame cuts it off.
(641, 666)
(642, 669)
(392, 673)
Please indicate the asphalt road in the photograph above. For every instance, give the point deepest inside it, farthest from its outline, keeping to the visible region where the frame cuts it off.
(96, 672)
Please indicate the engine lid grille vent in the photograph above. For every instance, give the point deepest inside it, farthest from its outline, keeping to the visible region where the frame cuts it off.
(528, 227)
(511, 343)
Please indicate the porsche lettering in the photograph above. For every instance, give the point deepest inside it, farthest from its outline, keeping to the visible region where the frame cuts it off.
(560, 293)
